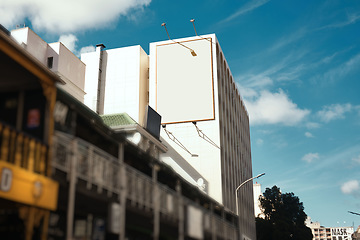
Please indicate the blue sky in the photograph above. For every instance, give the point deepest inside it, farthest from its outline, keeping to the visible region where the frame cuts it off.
(296, 63)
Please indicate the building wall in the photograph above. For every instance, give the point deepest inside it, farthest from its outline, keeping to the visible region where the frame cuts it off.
(227, 168)
(32, 43)
(124, 76)
(143, 85)
(91, 61)
(70, 69)
(125, 90)
(208, 162)
(235, 147)
(65, 64)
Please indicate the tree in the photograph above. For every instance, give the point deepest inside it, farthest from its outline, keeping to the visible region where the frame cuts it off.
(284, 217)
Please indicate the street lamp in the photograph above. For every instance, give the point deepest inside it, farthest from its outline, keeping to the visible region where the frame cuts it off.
(242, 184)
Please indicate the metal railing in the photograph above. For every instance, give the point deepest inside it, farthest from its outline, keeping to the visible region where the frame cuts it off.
(139, 188)
(169, 201)
(103, 170)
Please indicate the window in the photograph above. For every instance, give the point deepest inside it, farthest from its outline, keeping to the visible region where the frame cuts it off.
(50, 62)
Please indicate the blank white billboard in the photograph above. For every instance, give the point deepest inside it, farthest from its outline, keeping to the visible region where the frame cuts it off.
(184, 82)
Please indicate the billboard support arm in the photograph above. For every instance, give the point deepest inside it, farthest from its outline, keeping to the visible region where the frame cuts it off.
(193, 22)
(191, 50)
(175, 140)
(203, 136)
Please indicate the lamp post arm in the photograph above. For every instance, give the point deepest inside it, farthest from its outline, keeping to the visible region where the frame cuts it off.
(242, 184)
(250, 179)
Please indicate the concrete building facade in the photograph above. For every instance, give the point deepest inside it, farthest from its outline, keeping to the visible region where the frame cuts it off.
(116, 81)
(225, 167)
(329, 233)
(91, 181)
(57, 58)
(204, 117)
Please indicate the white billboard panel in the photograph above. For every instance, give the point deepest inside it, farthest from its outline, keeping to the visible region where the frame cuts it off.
(184, 82)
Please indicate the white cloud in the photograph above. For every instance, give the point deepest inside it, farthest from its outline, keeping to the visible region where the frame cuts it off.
(69, 40)
(288, 39)
(350, 66)
(275, 108)
(310, 157)
(356, 159)
(312, 125)
(67, 15)
(247, 92)
(260, 81)
(350, 187)
(334, 111)
(251, 5)
(351, 19)
(259, 142)
(309, 135)
(87, 49)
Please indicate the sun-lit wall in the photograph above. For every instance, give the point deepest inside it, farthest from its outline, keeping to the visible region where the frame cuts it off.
(124, 81)
(71, 69)
(32, 43)
(190, 80)
(91, 61)
(57, 58)
(195, 85)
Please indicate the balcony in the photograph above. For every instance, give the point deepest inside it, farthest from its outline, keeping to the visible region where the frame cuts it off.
(22, 150)
(110, 177)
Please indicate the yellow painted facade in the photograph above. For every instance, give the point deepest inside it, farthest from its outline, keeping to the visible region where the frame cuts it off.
(23, 186)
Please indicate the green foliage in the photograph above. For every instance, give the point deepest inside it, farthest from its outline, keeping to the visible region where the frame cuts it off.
(284, 217)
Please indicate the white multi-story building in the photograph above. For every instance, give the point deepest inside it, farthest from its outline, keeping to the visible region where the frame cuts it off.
(116, 81)
(329, 233)
(57, 58)
(337, 233)
(189, 83)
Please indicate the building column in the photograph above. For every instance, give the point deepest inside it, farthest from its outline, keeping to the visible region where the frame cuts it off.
(156, 203)
(29, 223)
(123, 193)
(223, 218)
(180, 206)
(212, 222)
(72, 192)
(101, 80)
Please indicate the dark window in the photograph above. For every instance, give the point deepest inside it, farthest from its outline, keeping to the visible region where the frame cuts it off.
(8, 107)
(50, 62)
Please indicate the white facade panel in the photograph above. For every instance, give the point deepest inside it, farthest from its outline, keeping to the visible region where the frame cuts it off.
(208, 162)
(117, 81)
(122, 81)
(91, 61)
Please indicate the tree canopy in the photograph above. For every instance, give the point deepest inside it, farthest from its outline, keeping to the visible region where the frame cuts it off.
(284, 217)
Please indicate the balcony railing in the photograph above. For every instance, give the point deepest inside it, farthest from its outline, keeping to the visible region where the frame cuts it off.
(139, 188)
(22, 150)
(98, 168)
